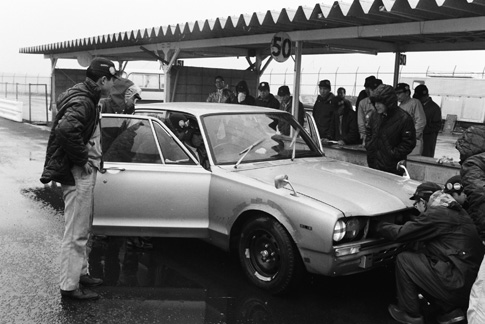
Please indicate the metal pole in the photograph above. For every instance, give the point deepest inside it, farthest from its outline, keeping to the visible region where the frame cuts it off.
(30, 104)
(46, 106)
(396, 69)
(296, 84)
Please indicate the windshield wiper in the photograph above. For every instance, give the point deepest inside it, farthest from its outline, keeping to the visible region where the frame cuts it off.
(293, 144)
(247, 150)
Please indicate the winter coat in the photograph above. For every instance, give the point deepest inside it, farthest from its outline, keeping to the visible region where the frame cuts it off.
(116, 103)
(390, 137)
(472, 155)
(285, 127)
(270, 102)
(433, 117)
(414, 107)
(350, 131)
(364, 111)
(323, 110)
(221, 96)
(72, 128)
(450, 241)
(242, 86)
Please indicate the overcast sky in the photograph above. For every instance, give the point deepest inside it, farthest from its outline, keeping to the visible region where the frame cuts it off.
(27, 23)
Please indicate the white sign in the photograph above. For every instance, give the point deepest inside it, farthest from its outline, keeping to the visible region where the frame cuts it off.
(281, 47)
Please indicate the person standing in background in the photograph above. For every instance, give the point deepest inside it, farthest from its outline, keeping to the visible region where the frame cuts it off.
(343, 127)
(433, 119)
(286, 105)
(222, 94)
(390, 136)
(324, 108)
(243, 97)
(415, 109)
(365, 108)
(73, 158)
(266, 98)
(122, 98)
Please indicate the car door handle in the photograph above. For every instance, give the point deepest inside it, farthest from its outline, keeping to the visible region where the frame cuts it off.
(112, 170)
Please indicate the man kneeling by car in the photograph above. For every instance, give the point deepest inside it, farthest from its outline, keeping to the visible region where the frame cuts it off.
(446, 263)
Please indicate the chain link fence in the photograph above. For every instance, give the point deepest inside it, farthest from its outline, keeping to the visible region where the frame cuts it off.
(32, 91)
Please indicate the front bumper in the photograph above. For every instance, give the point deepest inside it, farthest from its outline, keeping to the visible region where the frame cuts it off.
(370, 256)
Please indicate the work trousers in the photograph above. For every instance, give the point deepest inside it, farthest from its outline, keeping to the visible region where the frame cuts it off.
(414, 275)
(78, 217)
(429, 144)
(476, 309)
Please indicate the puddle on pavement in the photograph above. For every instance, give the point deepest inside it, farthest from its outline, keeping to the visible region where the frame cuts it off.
(49, 196)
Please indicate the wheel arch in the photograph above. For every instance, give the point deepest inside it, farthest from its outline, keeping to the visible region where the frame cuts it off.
(251, 214)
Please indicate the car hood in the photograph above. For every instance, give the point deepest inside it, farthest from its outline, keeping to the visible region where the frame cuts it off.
(353, 189)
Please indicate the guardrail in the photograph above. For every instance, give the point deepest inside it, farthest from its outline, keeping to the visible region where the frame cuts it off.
(12, 110)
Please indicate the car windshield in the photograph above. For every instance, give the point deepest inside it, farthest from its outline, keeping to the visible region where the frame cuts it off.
(236, 138)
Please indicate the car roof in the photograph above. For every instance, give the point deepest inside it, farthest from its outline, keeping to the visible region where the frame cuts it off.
(204, 108)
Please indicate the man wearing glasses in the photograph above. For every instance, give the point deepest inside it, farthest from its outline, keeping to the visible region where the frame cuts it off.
(445, 262)
(222, 94)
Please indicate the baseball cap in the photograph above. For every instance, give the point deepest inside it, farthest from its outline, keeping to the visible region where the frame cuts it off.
(283, 90)
(454, 184)
(420, 91)
(402, 87)
(425, 190)
(263, 86)
(325, 84)
(102, 67)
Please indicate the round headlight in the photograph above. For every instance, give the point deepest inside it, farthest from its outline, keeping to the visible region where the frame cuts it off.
(339, 230)
(353, 228)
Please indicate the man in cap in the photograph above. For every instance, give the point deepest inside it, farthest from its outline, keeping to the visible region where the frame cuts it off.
(122, 97)
(364, 107)
(266, 98)
(286, 105)
(324, 108)
(433, 119)
(73, 158)
(222, 94)
(415, 109)
(390, 135)
(444, 265)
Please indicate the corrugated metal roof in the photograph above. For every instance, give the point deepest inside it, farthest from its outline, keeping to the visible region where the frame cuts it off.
(369, 26)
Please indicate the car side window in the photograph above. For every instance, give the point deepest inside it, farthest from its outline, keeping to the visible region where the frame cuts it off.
(171, 151)
(129, 140)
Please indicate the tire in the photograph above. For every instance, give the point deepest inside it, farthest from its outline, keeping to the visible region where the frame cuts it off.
(268, 255)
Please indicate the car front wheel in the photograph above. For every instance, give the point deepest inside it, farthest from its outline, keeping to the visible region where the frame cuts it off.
(268, 255)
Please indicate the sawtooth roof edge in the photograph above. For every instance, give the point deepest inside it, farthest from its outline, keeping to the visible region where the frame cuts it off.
(263, 22)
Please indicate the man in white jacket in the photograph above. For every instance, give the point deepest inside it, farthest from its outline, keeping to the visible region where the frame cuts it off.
(415, 109)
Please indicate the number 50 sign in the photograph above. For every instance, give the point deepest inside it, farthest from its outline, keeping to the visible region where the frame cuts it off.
(281, 47)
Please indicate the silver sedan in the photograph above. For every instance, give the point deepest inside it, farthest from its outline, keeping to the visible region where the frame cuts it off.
(249, 180)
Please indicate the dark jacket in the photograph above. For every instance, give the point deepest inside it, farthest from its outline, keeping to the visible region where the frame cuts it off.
(285, 127)
(72, 128)
(270, 102)
(472, 155)
(350, 130)
(433, 117)
(115, 103)
(450, 241)
(323, 110)
(390, 137)
(242, 86)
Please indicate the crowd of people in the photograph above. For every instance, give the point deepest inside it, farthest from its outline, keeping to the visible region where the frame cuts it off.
(445, 265)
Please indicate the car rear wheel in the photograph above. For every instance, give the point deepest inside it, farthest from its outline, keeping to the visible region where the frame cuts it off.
(268, 256)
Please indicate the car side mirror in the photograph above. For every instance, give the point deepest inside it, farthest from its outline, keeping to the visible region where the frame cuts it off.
(280, 181)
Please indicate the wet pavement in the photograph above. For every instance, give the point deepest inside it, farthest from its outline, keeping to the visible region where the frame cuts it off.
(167, 281)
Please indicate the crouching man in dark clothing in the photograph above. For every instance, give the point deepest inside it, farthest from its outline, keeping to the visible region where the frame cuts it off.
(446, 264)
